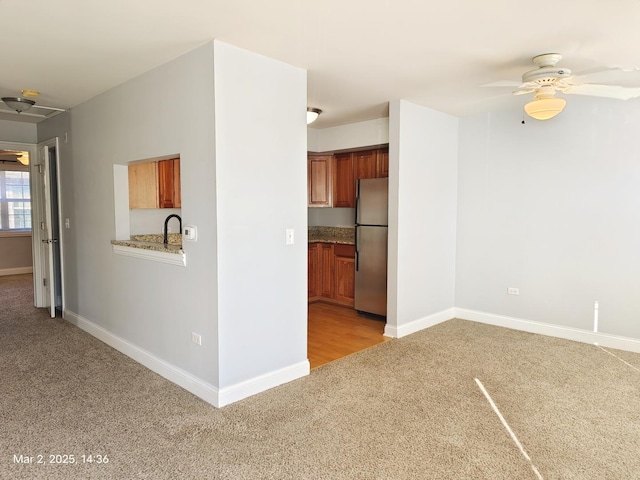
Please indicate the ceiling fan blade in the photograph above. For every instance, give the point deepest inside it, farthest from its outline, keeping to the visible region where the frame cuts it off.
(607, 91)
(503, 83)
(524, 91)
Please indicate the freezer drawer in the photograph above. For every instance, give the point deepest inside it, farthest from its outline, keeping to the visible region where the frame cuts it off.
(371, 270)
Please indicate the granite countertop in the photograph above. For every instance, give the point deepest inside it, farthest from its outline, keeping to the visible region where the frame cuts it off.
(154, 241)
(341, 235)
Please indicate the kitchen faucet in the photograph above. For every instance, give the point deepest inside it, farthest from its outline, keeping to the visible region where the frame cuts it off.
(166, 222)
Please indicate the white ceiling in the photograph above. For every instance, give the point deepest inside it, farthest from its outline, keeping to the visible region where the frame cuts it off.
(359, 53)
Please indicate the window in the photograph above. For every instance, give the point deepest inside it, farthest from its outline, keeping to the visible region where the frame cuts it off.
(15, 201)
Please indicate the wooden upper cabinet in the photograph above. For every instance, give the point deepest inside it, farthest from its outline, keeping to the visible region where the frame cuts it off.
(365, 164)
(169, 184)
(383, 163)
(155, 184)
(343, 183)
(319, 180)
(143, 185)
(332, 179)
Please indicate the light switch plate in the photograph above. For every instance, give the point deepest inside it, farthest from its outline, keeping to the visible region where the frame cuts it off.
(289, 236)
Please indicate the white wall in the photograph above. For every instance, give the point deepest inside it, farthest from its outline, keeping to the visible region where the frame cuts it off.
(261, 192)
(423, 150)
(353, 135)
(552, 208)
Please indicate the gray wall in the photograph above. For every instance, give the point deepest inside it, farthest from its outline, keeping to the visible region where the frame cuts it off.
(552, 208)
(243, 184)
(332, 217)
(15, 252)
(17, 131)
(150, 305)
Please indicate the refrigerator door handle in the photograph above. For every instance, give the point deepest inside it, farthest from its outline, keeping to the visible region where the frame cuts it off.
(356, 245)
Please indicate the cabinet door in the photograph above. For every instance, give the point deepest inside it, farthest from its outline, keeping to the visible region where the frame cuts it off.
(383, 163)
(345, 274)
(365, 164)
(143, 185)
(169, 184)
(327, 269)
(343, 184)
(313, 270)
(319, 180)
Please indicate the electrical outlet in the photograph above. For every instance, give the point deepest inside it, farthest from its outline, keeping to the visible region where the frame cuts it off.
(513, 291)
(195, 338)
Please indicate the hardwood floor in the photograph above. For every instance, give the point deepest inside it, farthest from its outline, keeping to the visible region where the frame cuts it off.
(335, 332)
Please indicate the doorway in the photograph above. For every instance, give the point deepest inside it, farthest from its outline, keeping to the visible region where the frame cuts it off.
(16, 232)
(336, 331)
(48, 265)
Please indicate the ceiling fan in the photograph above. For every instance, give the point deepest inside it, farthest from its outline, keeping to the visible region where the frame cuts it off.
(13, 156)
(548, 79)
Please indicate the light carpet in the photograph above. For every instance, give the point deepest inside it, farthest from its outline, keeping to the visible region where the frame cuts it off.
(405, 409)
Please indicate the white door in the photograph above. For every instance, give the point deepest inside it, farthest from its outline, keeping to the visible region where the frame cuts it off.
(48, 240)
(48, 271)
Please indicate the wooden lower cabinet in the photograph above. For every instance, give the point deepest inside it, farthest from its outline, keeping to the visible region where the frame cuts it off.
(331, 273)
(326, 270)
(345, 274)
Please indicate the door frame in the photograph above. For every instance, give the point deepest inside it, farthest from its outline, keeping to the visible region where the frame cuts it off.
(38, 216)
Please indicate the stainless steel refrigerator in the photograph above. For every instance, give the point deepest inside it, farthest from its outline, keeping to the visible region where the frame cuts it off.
(371, 245)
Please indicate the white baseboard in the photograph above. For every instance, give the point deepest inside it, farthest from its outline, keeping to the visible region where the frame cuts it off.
(200, 388)
(559, 331)
(15, 271)
(398, 331)
(209, 393)
(261, 383)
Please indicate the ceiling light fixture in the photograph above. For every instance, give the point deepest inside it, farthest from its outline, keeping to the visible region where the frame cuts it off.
(545, 106)
(312, 114)
(18, 104)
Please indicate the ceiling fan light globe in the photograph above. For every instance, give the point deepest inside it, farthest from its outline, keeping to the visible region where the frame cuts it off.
(545, 108)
